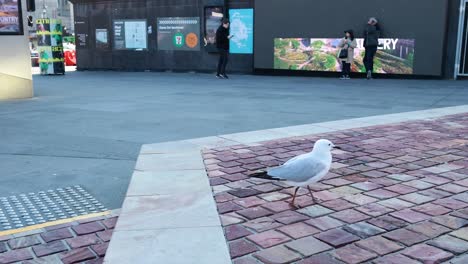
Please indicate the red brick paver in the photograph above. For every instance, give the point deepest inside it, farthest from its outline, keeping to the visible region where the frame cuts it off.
(268, 238)
(396, 193)
(379, 245)
(84, 241)
(427, 254)
(277, 255)
(352, 254)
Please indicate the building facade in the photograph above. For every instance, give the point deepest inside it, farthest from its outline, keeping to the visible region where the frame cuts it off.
(419, 38)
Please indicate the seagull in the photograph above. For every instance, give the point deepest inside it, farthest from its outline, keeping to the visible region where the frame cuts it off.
(304, 169)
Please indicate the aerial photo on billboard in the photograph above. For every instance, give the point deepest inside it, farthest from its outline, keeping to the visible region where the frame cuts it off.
(394, 56)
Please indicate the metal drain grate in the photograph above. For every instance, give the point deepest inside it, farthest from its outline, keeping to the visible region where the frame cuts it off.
(36, 208)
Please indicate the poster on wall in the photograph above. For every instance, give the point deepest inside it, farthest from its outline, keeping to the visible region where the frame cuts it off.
(50, 46)
(130, 34)
(179, 33)
(242, 31)
(135, 34)
(213, 17)
(102, 40)
(81, 32)
(394, 56)
(10, 17)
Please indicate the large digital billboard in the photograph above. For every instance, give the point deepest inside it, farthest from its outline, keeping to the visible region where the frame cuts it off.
(10, 17)
(242, 30)
(394, 56)
(179, 33)
(130, 34)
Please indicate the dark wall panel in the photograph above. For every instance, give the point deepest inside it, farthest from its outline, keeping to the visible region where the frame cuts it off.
(81, 35)
(129, 59)
(177, 60)
(100, 14)
(99, 17)
(422, 20)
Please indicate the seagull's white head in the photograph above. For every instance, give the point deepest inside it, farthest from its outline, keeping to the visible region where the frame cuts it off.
(323, 145)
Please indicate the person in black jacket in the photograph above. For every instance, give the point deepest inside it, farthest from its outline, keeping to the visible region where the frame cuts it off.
(222, 43)
(371, 42)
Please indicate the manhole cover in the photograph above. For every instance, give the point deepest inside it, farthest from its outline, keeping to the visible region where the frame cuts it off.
(36, 208)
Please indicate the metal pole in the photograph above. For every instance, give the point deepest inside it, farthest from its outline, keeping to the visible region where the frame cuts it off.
(460, 38)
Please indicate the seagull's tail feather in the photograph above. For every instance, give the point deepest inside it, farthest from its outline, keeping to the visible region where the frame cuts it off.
(263, 175)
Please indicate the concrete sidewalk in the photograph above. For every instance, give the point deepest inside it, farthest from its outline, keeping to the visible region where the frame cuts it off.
(86, 128)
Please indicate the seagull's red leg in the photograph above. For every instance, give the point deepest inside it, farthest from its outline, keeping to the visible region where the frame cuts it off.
(294, 197)
(311, 194)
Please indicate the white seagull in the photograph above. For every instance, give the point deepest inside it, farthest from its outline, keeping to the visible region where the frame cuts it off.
(304, 169)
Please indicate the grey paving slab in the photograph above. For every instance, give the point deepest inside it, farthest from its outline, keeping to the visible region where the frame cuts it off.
(213, 142)
(168, 147)
(170, 161)
(300, 130)
(204, 245)
(255, 136)
(343, 124)
(86, 128)
(167, 182)
(180, 210)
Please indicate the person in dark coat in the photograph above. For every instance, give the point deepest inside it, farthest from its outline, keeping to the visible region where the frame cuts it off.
(222, 43)
(371, 42)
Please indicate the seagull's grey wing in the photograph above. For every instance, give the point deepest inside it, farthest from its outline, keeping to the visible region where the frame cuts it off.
(302, 156)
(299, 170)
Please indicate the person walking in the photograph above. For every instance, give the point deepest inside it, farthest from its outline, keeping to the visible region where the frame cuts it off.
(371, 42)
(347, 44)
(222, 43)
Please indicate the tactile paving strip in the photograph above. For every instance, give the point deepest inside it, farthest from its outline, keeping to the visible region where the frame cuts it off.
(36, 208)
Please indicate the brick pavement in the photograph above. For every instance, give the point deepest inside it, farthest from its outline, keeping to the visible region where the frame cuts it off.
(396, 193)
(82, 241)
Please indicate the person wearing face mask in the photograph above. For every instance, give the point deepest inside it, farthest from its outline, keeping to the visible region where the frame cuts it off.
(348, 44)
(371, 42)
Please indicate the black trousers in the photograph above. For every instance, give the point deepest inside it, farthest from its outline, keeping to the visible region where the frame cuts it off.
(223, 60)
(369, 58)
(345, 68)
